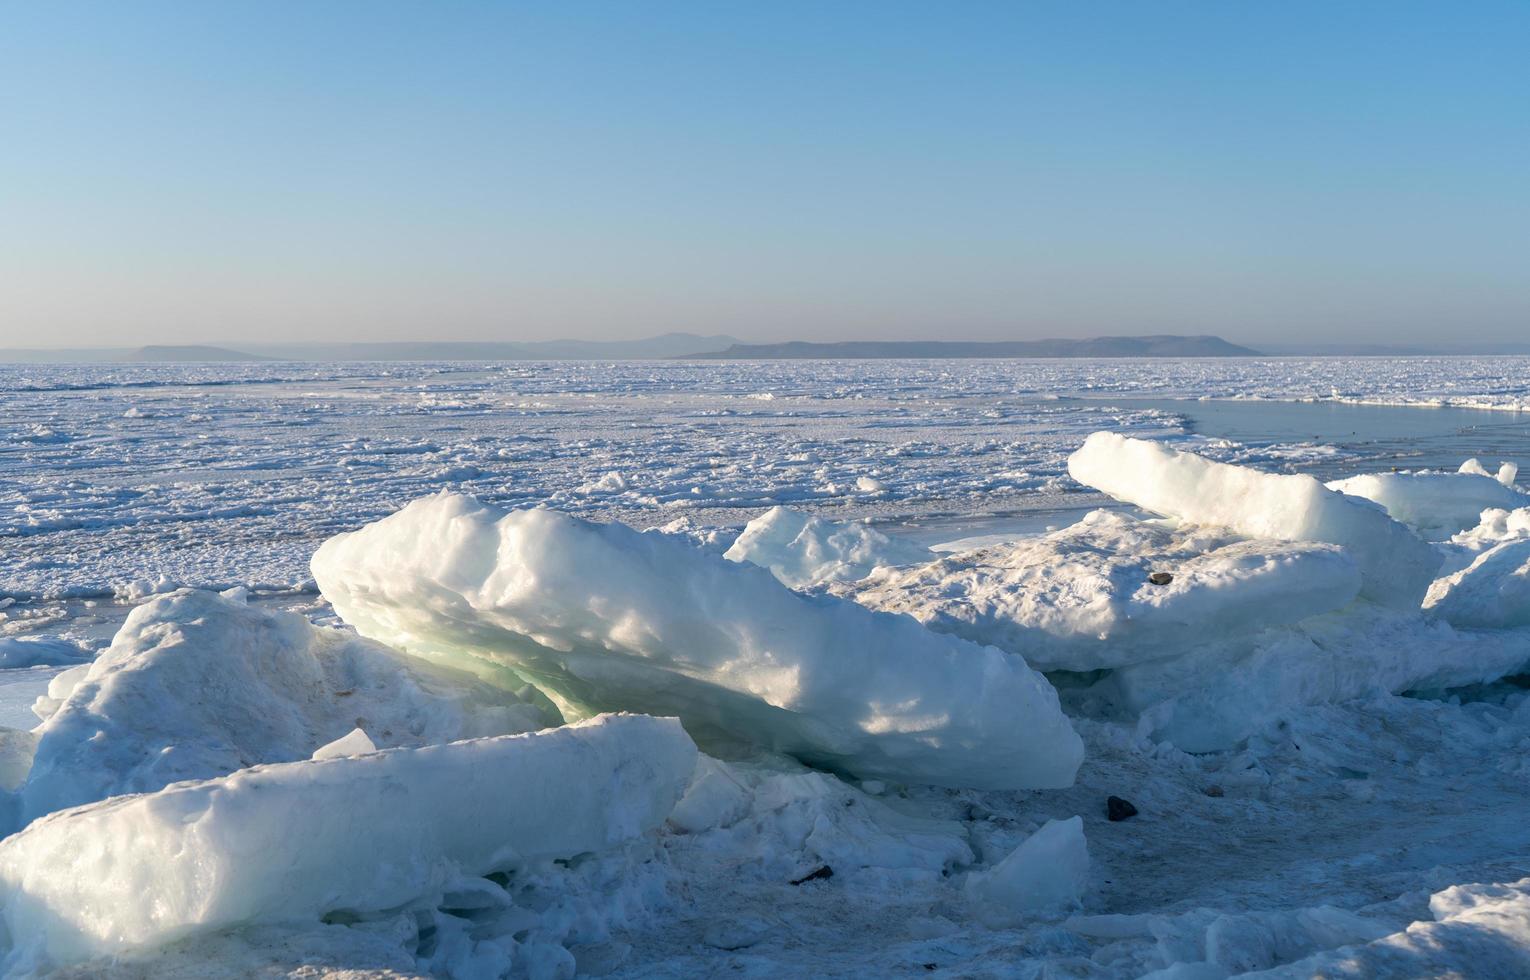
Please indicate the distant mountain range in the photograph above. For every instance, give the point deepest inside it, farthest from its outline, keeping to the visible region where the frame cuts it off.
(666, 346)
(1156, 346)
(719, 347)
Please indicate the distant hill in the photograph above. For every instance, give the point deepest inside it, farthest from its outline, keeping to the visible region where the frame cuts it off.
(663, 346)
(1157, 346)
(159, 353)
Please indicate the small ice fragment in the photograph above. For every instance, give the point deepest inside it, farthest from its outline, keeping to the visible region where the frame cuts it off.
(355, 742)
(1046, 873)
(1474, 467)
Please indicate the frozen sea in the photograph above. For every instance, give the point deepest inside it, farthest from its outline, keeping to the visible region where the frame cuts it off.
(119, 482)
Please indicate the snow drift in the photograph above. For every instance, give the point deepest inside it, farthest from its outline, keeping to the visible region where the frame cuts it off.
(197, 685)
(1396, 566)
(1082, 598)
(605, 618)
(293, 842)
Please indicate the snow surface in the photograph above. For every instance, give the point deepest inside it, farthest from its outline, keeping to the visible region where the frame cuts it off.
(1396, 566)
(803, 551)
(602, 617)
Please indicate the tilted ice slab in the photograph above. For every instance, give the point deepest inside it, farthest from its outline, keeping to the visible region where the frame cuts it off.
(1436, 505)
(197, 685)
(1493, 592)
(25, 651)
(803, 551)
(606, 618)
(293, 842)
(1080, 598)
(1396, 566)
(1046, 873)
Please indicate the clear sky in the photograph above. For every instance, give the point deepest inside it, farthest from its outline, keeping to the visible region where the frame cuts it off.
(217, 170)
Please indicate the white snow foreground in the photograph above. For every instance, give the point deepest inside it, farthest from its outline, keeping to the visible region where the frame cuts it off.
(1081, 598)
(293, 842)
(1396, 566)
(602, 617)
(803, 551)
(1435, 505)
(197, 685)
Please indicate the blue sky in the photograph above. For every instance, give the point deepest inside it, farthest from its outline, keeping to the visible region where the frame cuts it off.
(1292, 171)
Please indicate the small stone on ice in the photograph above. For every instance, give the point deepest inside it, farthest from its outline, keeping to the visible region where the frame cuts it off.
(1161, 578)
(1118, 809)
(821, 873)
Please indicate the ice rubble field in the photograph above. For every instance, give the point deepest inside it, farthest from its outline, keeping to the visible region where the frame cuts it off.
(301, 683)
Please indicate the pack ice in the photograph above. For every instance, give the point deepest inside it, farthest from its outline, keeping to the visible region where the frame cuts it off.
(1083, 598)
(606, 618)
(1438, 505)
(291, 842)
(1396, 566)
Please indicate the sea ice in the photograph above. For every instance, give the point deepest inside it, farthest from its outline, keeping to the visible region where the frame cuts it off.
(1493, 592)
(197, 685)
(24, 651)
(602, 617)
(1495, 527)
(1396, 566)
(1435, 505)
(294, 842)
(803, 551)
(1081, 598)
(1221, 692)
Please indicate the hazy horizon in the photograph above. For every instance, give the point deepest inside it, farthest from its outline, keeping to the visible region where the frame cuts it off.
(372, 172)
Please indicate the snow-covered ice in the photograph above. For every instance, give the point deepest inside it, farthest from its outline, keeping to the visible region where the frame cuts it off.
(347, 836)
(1435, 504)
(1493, 592)
(603, 618)
(197, 685)
(1396, 566)
(1083, 598)
(803, 551)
